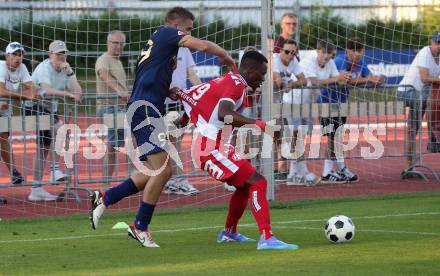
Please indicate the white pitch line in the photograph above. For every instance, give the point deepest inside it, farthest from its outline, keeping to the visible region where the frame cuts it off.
(366, 230)
(242, 225)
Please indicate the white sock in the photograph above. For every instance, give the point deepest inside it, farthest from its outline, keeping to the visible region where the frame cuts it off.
(328, 167)
(293, 168)
(340, 164)
(302, 165)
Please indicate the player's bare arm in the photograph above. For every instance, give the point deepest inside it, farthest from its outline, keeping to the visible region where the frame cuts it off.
(209, 47)
(226, 108)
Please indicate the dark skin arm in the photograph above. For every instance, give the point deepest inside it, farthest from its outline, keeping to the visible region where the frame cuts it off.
(226, 108)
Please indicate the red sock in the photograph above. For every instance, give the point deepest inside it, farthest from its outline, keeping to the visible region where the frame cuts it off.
(237, 205)
(260, 207)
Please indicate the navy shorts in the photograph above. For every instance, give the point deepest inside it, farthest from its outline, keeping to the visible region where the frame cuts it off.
(149, 131)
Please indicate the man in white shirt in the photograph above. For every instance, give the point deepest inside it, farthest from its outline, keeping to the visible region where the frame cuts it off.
(289, 80)
(320, 70)
(15, 84)
(53, 77)
(184, 71)
(415, 86)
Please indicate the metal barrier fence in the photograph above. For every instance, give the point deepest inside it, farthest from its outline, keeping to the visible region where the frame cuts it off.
(377, 110)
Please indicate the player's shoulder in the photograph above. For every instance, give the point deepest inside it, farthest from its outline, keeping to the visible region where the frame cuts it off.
(234, 79)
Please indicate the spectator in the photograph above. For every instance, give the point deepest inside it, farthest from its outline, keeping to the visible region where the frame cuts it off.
(288, 24)
(288, 77)
(352, 60)
(183, 72)
(111, 80)
(16, 84)
(321, 70)
(54, 78)
(422, 73)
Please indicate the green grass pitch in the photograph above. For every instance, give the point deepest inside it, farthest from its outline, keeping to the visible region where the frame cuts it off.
(395, 235)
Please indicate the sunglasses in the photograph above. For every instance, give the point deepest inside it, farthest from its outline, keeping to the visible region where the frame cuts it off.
(15, 46)
(287, 52)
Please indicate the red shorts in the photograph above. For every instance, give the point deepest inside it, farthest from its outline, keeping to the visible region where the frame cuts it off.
(225, 165)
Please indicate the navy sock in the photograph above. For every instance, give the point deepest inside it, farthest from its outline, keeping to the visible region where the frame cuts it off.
(143, 217)
(113, 195)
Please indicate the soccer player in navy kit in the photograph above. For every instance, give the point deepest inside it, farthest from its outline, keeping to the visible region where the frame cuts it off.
(153, 77)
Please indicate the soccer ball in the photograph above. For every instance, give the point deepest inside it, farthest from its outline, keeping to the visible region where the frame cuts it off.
(339, 229)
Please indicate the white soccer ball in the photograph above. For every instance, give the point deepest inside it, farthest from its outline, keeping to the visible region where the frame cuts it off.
(339, 229)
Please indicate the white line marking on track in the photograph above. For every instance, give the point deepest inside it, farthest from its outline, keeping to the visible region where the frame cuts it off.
(246, 225)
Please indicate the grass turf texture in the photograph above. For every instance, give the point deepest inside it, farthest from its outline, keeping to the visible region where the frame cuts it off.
(397, 235)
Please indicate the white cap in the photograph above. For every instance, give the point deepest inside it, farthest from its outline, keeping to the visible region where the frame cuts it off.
(14, 47)
(57, 46)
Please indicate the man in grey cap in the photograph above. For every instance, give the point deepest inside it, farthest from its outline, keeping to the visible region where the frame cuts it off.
(15, 84)
(423, 72)
(53, 77)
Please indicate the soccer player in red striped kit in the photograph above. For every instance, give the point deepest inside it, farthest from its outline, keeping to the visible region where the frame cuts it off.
(212, 107)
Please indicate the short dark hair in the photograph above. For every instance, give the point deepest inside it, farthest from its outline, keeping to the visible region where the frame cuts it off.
(326, 45)
(355, 43)
(179, 13)
(288, 41)
(250, 58)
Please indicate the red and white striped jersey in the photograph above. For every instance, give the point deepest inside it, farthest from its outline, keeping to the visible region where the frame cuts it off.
(201, 102)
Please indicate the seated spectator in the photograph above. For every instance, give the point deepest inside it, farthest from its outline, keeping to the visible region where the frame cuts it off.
(53, 77)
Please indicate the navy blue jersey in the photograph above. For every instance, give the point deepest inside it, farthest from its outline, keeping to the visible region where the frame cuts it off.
(156, 65)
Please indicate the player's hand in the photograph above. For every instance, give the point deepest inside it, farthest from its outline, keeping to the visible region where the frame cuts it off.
(173, 93)
(228, 61)
(74, 97)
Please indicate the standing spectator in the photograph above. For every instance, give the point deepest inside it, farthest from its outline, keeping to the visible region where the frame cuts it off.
(321, 70)
(16, 84)
(352, 60)
(422, 73)
(288, 24)
(111, 80)
(290, 80)
(54, 78)
(287, 75)
(184, 71)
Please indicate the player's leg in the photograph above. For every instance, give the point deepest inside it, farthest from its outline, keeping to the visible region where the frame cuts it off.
(102, 200)
(139, 230)
(260, 209)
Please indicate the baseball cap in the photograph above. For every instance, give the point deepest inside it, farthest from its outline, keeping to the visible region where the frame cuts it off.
(57, 46)
(14, 47)
(436, 36)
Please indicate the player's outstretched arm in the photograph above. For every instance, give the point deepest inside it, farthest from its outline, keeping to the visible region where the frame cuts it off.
(211, 48)
(226, 108)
